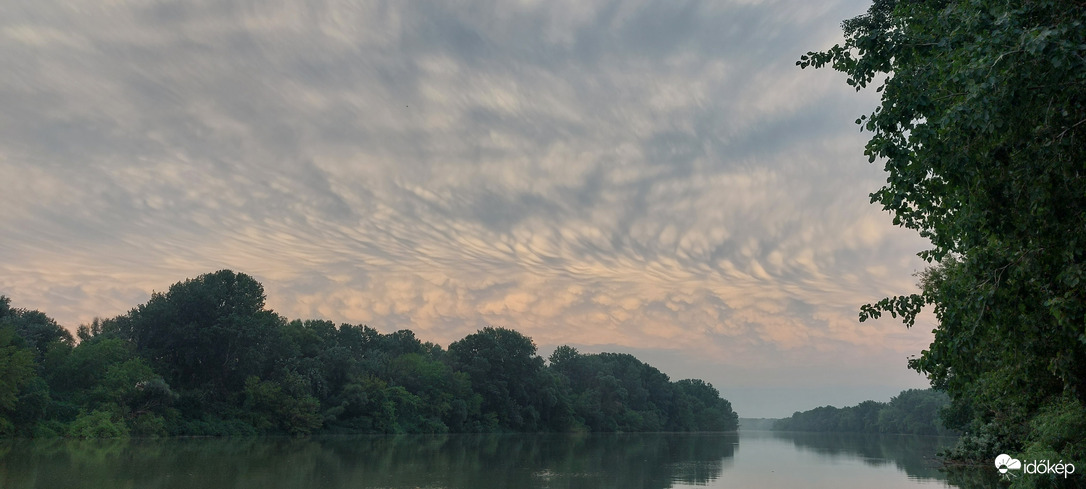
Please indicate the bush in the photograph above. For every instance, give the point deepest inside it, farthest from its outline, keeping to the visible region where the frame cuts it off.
(50, 428)
(97, 424)
(213, 426)
(1060, 427)
(149, 425)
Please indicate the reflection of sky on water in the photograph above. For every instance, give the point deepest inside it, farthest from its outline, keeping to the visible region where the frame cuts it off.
(757, 460)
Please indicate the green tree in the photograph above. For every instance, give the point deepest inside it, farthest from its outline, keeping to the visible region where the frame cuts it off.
(505, 370)
(614, 391)
(86, 366)
(272, 408)
(913, 411)
(30, 344)
(35, 330)
(206, 358)
(104, 374)
(437, 387)
(707, 410)
(98, 424)
(981, 128)
(370, 405)
(207, 334)
(16, 371)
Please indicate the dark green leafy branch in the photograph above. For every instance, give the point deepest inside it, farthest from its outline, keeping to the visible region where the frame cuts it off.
(981, 133)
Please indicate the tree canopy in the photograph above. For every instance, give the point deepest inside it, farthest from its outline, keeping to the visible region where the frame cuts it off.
(913, 411)
(207, 358)
(982, 133)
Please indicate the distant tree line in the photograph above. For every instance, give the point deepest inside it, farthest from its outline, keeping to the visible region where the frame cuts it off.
(756, 424)
(207, 358)
(913, 411)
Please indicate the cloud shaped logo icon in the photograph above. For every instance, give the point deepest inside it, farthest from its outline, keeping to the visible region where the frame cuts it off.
(1004, 463)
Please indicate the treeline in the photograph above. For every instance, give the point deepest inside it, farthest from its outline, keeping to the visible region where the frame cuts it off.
(207, 358)
(756, 424)
(913, 411)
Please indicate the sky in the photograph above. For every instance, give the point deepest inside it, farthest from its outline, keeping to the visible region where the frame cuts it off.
(648, 177)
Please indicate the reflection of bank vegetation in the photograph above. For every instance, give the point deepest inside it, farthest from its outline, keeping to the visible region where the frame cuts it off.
(457, 461)
(915, 455)
(912, 454)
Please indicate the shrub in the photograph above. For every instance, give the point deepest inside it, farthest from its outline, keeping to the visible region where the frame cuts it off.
(97, 424)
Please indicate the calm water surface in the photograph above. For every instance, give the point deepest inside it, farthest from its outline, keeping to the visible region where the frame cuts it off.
(761, 460)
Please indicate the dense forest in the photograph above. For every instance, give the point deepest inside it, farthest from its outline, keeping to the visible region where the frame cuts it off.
(981, 130)
(207, 358)
(912, 412)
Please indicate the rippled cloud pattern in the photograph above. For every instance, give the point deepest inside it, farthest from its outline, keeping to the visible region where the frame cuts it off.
(652, 176)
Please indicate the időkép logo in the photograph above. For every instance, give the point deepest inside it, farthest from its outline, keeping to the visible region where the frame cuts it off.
(1006, 463)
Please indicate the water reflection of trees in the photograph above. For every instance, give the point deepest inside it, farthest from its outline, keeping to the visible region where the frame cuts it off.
(914, 455)
(454, 461)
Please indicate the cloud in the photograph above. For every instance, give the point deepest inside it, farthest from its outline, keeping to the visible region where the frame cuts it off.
(642, 175)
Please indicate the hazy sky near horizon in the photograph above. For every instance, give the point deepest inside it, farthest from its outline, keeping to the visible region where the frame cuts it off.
(652, 177)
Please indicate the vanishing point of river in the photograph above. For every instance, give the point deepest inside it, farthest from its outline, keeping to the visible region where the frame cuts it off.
(757, 460)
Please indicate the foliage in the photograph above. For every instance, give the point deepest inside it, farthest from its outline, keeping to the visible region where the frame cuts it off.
(913, 411)
(36, 331)
(1059, 428)
(273, 408)
(16, 370)
(148, 425)
(617, 392)
(207, 359)
(27, 339)
(707, 410)
(97, 424)
(205, 335)
(981, 128)
(506, 372)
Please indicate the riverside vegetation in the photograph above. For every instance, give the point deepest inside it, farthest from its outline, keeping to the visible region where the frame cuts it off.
(912, 412)
(982, 131)
(207, 358)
